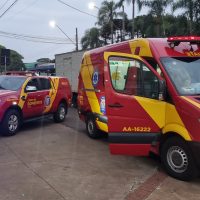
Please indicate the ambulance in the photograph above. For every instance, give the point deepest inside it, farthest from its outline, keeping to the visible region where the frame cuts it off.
(145, 93)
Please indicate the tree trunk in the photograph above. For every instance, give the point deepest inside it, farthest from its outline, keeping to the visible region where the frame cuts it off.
(112, 40)
(123, 25)
(133, 18)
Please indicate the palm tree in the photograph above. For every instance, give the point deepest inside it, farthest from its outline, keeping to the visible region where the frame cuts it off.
(91, 39)
(107, 13)
(190, 7)
(157, 9)
(120, 4)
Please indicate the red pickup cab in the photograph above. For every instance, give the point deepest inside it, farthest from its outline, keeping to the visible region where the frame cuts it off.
(26, 96)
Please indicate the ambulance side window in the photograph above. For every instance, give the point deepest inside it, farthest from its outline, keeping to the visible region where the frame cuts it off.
(33, 82)
(44, 84)
(132, 77)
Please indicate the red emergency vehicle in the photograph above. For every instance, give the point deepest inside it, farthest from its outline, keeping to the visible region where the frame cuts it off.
(145, 93)
(24, 96)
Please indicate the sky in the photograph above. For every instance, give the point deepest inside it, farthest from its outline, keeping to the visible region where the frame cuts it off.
(31, 17)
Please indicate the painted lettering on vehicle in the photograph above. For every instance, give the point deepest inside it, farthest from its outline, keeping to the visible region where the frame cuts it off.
(33, 102)
(136, 129)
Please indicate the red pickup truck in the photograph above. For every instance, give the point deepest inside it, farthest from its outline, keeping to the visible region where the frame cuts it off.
(26, 96)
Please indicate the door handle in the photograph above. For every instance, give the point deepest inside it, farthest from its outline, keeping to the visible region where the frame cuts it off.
(23, 98)
(115, 105)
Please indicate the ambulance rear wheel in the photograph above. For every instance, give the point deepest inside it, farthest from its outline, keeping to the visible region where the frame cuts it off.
(59, 115)
(91, 127)
(11, 123)
(177, 159)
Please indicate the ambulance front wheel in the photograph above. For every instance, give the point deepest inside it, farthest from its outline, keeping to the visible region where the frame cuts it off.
(91, 127)
(177, 159)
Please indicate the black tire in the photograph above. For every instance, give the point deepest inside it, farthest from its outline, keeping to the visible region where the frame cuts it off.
(60, 114)
(178, 160)
(11, 123)
(91, 127)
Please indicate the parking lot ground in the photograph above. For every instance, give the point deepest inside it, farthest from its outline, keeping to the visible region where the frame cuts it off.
(48, 161)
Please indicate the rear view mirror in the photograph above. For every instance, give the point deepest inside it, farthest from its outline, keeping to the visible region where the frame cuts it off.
(31, 88)
(162, 89)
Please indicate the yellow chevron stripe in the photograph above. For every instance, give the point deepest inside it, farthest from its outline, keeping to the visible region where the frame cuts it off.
(21, 102)
(192, 102)
(144, 47)
(52, 92)
(86, 74)
(165, 116)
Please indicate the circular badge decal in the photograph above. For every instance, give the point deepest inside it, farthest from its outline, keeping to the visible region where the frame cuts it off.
(47, 101)
(95, 78)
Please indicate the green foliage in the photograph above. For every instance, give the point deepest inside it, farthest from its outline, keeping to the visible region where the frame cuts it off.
(91, 39)
(44, 60)
(107, 13)
(16, 63)
(156, 23)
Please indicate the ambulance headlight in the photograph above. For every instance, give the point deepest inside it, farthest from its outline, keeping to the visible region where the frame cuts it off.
(14, 103)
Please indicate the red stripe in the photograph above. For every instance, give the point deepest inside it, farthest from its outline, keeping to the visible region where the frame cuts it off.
(144, 190)
(130, 149)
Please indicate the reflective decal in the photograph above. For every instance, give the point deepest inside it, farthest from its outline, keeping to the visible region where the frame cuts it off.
(103, 105)
(47, 101)
(95, 78)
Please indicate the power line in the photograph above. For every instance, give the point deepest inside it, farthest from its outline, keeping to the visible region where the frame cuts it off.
(76, 9)
(32, 38)
(24, 9)
(4, 4)
(8, 8)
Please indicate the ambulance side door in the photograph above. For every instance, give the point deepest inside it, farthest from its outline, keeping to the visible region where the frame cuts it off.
(45, 93)
(135, 113)
(33, 101)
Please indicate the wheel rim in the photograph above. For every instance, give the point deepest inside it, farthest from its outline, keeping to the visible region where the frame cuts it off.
(62, 113)
(90, 127)
(177, 159)
(13, 123)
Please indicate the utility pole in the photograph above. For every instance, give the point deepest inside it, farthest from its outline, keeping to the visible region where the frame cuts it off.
(76, 39)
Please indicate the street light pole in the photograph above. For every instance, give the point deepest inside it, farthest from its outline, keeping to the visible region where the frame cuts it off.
(76, 39)
(53, 24)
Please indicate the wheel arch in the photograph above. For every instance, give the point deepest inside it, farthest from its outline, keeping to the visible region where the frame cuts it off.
(63, 101)
(14, 107)
(178, 130)
(168, 135)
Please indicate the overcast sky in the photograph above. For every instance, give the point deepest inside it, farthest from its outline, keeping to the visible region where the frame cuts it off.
(31, 17)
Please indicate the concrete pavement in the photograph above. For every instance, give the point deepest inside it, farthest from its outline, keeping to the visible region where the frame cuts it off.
(47, 161)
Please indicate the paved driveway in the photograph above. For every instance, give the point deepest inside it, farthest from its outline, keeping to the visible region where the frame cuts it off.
(48, 161)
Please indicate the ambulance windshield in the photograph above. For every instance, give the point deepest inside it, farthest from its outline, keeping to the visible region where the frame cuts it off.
(184, 73)
(11, 82)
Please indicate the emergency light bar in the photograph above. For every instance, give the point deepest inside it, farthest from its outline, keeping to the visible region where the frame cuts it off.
(175, 41)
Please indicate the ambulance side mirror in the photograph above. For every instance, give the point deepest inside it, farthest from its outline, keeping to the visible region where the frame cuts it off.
(162, 90)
